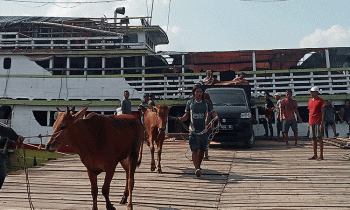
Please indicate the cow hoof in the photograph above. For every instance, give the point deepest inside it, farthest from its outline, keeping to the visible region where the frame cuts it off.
(159, 171)
(111, 207)
(123, 201)
(153, 168)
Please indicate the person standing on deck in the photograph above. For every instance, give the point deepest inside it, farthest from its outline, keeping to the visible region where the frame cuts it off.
(344, 114)
(197, 110)
(288, 107)
(316, 107)
(277, 110)
(126, 103)
(7, 132)
(269, 116)
(329, 118)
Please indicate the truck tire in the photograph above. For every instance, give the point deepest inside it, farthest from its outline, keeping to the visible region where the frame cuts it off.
(249, 143)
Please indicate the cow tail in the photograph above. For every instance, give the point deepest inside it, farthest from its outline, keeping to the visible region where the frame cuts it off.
(141, 138)
(138, 144)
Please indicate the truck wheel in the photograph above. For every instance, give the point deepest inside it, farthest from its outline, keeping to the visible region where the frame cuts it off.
(249, 143)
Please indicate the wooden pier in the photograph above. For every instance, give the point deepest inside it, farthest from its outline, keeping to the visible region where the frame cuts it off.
(269, 176)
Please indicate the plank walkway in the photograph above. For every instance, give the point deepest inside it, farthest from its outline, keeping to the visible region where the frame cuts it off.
(269, 176)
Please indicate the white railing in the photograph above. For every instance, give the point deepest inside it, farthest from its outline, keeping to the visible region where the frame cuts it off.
(332, 81)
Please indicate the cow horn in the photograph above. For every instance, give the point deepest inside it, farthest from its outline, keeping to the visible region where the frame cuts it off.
(58, 109)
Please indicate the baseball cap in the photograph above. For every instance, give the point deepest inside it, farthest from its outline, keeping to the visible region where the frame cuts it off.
(277, 94)
(314, 88)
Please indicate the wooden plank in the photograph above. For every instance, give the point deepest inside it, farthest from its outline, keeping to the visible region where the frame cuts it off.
(269, 176)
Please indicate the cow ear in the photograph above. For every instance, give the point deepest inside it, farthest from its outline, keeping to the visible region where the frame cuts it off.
(80, 114)
(169, 107)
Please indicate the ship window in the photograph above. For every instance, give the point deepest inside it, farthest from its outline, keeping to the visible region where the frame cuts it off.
(7, 63)
(60, 62)
(53, 116)
(41, 117)
(5, 112)
(45, 64)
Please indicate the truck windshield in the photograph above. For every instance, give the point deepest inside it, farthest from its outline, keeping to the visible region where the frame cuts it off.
(228, 97)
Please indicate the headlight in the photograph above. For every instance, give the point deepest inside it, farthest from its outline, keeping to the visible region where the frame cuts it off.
(246, 115)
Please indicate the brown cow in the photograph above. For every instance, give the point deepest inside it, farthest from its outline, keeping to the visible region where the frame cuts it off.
(155, 123)
(101, 142)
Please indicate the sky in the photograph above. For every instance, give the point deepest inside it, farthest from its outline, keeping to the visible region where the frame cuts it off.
(217, 25)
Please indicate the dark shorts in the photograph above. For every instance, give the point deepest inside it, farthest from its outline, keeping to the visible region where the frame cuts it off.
(315, 131)
(327, 123)
(289, 123)
(198, 142)
(279, 126)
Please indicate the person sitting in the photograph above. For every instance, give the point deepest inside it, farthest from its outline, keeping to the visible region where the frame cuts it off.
(240, 80)
(152, 98)
(143, 107)
(209, 79)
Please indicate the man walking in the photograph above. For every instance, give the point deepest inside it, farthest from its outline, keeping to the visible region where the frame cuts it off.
(197, 110)
(126, 103)
(277, 110)
(288, 109)
(316, 107)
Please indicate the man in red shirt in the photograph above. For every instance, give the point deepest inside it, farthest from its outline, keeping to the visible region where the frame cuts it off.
(288, 107)
(316, 118)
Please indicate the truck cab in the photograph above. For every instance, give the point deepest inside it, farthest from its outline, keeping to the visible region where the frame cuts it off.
(232, 105)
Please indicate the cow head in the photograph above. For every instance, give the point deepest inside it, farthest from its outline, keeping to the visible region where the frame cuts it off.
(64, 122)
(162, 116)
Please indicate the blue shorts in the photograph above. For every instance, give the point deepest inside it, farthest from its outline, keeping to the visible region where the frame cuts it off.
(198, 142)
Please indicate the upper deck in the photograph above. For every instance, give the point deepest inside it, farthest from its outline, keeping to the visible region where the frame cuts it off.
(36, 34)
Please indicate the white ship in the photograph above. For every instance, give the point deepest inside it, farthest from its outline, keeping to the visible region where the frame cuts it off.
(49, 62)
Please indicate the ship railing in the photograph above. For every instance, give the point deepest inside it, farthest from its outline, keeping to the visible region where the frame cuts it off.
(332, 81)
(67, 42)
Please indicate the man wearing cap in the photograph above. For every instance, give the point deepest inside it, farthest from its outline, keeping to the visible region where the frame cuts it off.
(277, 110)
(316, 107)
(288, 109)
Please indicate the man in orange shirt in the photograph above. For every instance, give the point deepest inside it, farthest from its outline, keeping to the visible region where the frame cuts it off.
(316, 107)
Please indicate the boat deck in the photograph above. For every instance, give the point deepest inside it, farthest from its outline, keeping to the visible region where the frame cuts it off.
(269, 176)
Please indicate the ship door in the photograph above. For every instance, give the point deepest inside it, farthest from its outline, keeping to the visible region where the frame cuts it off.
(5, 114)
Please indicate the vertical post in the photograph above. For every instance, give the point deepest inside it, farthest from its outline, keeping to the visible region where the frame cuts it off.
(122, 65)
(86, 64)
(103, 65)
(183, 77)
(68, 66)
(143, 73)
(328, 63)
(330, 82)
(51, 64)
(254, 75)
